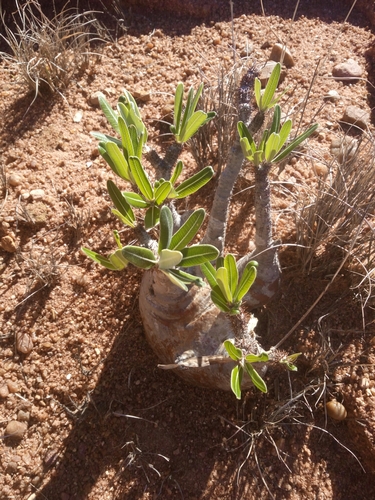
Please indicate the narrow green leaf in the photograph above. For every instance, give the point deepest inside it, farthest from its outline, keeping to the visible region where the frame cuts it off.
(118, 260)
(106, 138)
(120, 202)
(175, 280)
(219, 262)
(235, 381)
(166, 228)
(116, 236)
(232, 350)
(219, 301)
(195, 101)
(176, 172)
(223, 282)
(99, 259)
(276, 120)
(135, 199)
(247, 279)
(126, 139)
(139, 256)
(271, 87)
(162, 192)
(141, 178)
(258, 92)
(187, 278)
(271, 146)
(231, 267)
(284, 132)
(118, 162)
(152, 217)
(185, 234)
(198, 254)
(292, 146)
(254, 358)
(244, 133)
(169, 258)
(198, 119)
(109, 113)
(209, 272)
(187, 113)
(194, 183)
(123, 218)
(255, 377)
(178, 108)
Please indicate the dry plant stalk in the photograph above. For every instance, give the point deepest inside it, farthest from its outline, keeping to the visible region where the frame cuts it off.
(47, 52)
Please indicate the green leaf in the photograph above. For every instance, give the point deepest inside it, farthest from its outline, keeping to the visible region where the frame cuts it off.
(118, 260)
(276, 120)
(178, 107)
(126, 140)
(247, 279)
(187, 278)
(169, 258)
(257, 358)
(271, 87)
(219, 300)
(219, 262)
(177, 172)
(139, 256)
(235, 381)
(198, 254)
(162, 192)
(271, 147)
(258, 92)
(152, 217)
(106, 138)
(99, 259)
(141, 178)
(223, 282)
(194, 103)
(135, 199)
(120, 203)
(244, 133)
(187, 114)
(125, 220)
(118, 162)
(198, 119)
(109, 113)
(188, 230)
(284, 132)
(116, 236)
(194, 183)
(255, 377)
(175, 280)
(292, 146)
(166, 228)
(209, 272)
(233, 351)
(231, 267)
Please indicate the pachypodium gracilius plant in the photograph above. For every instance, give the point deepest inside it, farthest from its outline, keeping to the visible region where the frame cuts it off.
(191, 293)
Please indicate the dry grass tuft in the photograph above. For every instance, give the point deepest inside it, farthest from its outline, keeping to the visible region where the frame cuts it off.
(47, 52)
(337, 221)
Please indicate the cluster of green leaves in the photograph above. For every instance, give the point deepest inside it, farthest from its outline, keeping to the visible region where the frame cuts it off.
(270, 148)
(227, 289)
(173, 250)
(125, 159)
(186, 122)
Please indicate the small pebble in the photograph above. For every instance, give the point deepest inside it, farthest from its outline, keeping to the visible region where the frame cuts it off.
(280, 53)
(15, 179)
(24, 343)
(349, 70)
(13, 387)
(332, 95)
(8, 244)
(37, 194)
(353, 115)
(23, 416)
(94, 99)
(15, 429)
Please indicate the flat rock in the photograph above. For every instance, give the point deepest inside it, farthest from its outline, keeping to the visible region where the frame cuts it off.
(37, 194)
(15, 429)
(280, 53)
(266, 71)
(24, 343)
(353, 115)
(348, 70)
